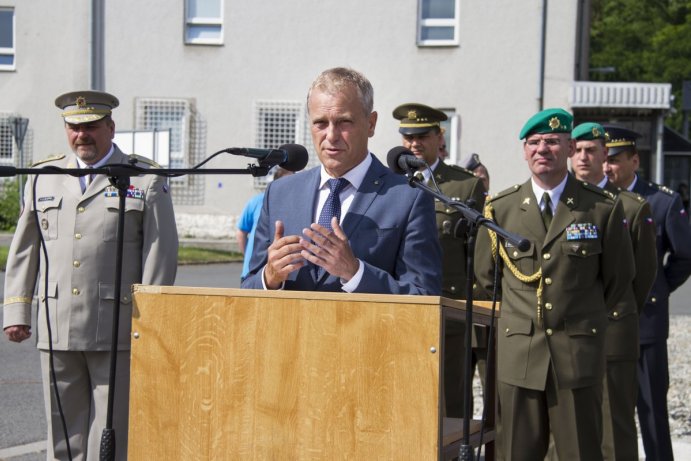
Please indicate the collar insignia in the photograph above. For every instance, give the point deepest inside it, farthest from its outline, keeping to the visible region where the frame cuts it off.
(569, 200)
(526, 201)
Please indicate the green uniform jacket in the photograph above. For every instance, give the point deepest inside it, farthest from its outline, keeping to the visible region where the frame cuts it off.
(460, 185)
(587, 265)
(80, 232)
(622, 332)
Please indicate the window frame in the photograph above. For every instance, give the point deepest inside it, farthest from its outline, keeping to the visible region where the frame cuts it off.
(438, 22)
(203, 21)
(10, 51)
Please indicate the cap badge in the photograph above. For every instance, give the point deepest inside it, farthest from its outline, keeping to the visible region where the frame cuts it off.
(412, 114)
(596, 132)
(554, 123)
(81, 102)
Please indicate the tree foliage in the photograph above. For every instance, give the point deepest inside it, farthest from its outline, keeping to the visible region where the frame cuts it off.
(644, 41)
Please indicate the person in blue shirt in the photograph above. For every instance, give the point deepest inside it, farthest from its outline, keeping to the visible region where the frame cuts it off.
(248, 223)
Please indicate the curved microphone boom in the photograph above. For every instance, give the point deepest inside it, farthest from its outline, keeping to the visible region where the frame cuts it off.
(401, 160)
(292, 157)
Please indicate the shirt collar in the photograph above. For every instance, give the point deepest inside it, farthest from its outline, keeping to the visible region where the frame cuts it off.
(633, 183)
(554, 194)
(355, 175)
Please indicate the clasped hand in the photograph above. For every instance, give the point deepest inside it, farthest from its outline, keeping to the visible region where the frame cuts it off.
(320, 246)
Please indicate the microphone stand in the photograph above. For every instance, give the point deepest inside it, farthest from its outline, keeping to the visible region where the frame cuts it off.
(119, 176)
(475, 219)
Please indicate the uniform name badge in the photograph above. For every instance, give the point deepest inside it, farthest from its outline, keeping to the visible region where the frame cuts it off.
(582, 231)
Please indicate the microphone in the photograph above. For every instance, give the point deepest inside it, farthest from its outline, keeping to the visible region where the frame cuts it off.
(292, 157)
(401, 160)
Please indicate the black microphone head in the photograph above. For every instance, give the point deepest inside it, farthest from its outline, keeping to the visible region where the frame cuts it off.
(296, 157)
(392, 158)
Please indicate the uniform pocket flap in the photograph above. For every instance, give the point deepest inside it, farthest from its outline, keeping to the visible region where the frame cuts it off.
(518, 326)
(583, 248)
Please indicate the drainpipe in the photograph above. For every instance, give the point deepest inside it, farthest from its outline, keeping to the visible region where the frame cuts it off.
(659, 154)
(543, 42)
(97, 45)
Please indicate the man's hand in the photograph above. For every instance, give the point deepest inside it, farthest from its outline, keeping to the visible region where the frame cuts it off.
(329, 250)
(283, 258)
(18, 333)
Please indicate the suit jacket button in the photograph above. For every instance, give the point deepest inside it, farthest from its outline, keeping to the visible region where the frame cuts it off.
(453, 289)
(549, 332)
(81, 209)
(594, 331)
(75, 291)
(615, 314)
(653, 299)
(76, 263)
(77, 236)
(548, 306)
(546, 256)
(548, 281)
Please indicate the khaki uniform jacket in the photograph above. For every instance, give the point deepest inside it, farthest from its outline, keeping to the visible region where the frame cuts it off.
(80, 233)
(460, 185)
(587, 265)
(622, 332)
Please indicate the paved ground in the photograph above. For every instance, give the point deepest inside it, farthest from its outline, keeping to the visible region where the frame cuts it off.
(22, 422)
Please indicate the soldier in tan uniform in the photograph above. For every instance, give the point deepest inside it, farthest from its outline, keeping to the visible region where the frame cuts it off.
(422, 135)
(77, 218)
(555, 298)
(620, 440)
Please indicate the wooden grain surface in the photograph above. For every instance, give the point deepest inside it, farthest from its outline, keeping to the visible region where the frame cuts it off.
(245, 374)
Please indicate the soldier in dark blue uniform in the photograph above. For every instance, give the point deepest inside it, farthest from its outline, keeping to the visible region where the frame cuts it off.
(674, 267)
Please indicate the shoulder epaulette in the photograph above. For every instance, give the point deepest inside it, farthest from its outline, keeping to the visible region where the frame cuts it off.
(662, 188)
(461, 169)
(597, 190)
(638, 197)
(52, 158)
(146, 160)
(504, 193)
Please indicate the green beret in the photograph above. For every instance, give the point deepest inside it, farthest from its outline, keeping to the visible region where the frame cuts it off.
(86, 106)
(417, 118)
(589, 131)
(548, 121)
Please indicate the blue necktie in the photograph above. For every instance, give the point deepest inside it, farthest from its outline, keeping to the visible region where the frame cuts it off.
(332, 206)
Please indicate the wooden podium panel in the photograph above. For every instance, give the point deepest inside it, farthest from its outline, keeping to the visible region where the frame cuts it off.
(249, 374)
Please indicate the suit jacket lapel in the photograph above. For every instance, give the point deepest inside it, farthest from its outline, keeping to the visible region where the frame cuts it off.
(364, 196)
(563, 216)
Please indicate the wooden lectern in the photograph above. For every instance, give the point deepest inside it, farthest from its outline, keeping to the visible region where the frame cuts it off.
(247, 374)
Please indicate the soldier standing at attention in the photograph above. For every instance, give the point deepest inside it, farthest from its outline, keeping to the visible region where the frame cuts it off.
(555, 297)
(77, 219)
(422, 135)
(620, 439)
(673, 238)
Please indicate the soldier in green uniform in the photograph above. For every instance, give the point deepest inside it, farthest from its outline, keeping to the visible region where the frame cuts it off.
(620, 440)
(555, 297)
(422, 135)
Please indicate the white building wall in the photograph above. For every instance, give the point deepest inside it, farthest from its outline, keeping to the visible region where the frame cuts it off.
(274, 49)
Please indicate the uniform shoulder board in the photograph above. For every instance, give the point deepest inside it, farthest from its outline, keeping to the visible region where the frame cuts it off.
(598, 190)
(664, 189)
(461, 169)
(52, 158)
(145, 160)
(504, 193)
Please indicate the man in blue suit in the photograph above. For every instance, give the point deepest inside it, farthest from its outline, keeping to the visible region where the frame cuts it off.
(673, 268)
(350, 224)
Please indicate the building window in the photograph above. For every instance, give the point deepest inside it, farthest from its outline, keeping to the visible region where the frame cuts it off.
(438, 22)
(204, 22)
(7, 39)
(187, 141)
(278, 123)
(6, 142)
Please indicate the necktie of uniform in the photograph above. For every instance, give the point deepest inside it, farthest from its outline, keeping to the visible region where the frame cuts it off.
(332, 206)
(546, 210)
(86, 180)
